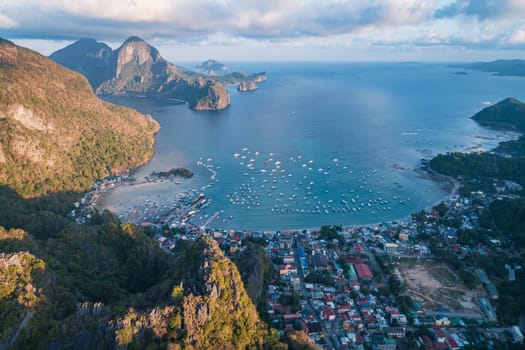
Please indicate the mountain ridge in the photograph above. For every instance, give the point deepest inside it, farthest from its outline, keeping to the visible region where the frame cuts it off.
(53, 127)
(137, 68)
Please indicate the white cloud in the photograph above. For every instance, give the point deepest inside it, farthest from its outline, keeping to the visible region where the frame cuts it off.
(516, 37)
(338, 24)
(6, 22)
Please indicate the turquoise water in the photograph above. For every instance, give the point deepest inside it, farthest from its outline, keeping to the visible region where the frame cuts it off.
(322, 143)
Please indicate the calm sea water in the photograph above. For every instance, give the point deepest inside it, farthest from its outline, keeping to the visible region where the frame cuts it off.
(321, 143)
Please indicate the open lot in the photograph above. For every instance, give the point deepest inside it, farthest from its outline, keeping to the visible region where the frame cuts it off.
(434, 284)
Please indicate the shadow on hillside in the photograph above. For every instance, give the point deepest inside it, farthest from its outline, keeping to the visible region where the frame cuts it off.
(43, 217)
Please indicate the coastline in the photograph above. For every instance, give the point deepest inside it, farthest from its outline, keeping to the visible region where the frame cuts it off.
(162, 196)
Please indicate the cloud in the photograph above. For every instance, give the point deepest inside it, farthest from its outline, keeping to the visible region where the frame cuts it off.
(248, 18)
(345, 24)
(517, 37)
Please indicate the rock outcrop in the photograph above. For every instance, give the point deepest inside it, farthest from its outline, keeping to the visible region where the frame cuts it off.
(247, 86)
(137, 69)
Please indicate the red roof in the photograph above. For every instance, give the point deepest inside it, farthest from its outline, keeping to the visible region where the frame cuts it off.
(439, 332)
(363, 271)
(288, 317)
(452, 343)
(427, 342)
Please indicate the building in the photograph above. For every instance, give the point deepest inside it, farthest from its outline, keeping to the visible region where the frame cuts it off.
(516, 334)
(363, 271)
(396, 332)
(482, 276)
(391, 248)
(493, 292)
(488, 309)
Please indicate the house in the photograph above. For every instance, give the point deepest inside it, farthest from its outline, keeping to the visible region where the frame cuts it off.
(427, 342)
(452, 344)
(285, 242)
(327, 313)
(440, 335)
(285, 270)
(288, 259)
(291, 317)
(390, 248)
(320, 261)
(383, 343)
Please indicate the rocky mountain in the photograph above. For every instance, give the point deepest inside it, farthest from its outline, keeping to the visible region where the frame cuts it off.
(137, 69)
(508, 113)
(55, 134)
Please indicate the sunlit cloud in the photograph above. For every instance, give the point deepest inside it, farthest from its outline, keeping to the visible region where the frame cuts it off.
(345, 25)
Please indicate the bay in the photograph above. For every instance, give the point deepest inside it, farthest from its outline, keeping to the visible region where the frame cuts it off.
(320, 143)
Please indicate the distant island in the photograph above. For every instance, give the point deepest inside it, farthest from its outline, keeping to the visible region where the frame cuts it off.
(212, 67)
(498, 67)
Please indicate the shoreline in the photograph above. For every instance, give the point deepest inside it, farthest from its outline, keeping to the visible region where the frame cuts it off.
(181, 187)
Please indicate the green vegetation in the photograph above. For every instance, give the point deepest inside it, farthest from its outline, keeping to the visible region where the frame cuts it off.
(509, 113)
(476, 166)
(182, 172)
(55, 135)
(503, 219)
(102, 282)
(329, 233)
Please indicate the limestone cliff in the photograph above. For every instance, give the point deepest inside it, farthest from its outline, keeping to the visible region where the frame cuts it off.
(137, 69)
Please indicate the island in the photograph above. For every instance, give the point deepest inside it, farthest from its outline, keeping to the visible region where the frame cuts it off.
(173, 172)
(212, 67)
(514, 67)
(247, 86)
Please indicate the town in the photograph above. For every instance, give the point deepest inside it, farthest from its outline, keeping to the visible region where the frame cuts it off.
(423, 283)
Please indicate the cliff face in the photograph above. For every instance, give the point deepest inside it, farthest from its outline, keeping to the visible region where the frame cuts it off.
(55, 134)
(137, 68)
(218, 312)
(208, 309)
(247, 86)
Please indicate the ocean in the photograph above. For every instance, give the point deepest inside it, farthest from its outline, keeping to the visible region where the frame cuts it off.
(319, 143)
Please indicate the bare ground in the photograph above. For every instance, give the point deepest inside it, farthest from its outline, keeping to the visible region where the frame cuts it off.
(434, 284)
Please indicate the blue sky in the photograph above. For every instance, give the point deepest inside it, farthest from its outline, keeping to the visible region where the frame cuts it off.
(254, 30)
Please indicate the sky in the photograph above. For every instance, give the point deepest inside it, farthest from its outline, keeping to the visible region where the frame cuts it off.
(278, 30)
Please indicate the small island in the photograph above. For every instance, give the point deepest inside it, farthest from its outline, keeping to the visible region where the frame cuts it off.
(173, 172)
(212, 67)
(247, 86)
